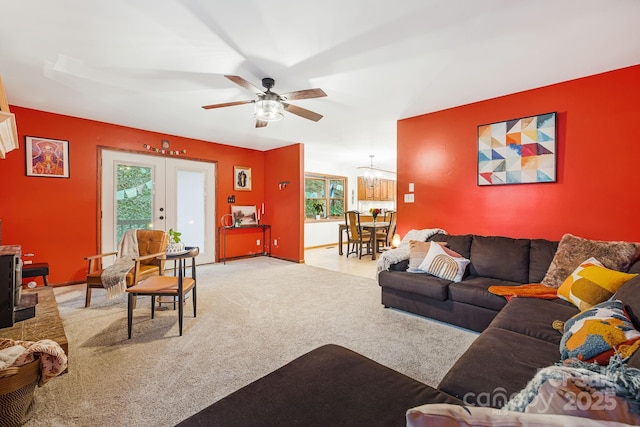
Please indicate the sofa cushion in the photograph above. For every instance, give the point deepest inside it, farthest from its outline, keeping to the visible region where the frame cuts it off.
(572, 251)
(474, 291)
(592, 283)
(596, 334)
(421, 284)
(498, 364)
(635, 268)
(629, 294)
(534, 317)
(444, 263)
(500, 257)
(458, 243)
(400, 266)
(329, 386)
(541, 254)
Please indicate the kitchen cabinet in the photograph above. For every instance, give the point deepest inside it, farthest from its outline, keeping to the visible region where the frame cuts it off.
(383, 190)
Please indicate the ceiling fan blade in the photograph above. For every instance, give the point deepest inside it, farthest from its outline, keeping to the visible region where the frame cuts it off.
(303, 94)
(261, 123)
(226, 104)
(299, 111)
(245, 84)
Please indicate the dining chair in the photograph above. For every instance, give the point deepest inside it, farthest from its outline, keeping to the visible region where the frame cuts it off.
(356, 236)
(384, 237)
(176, 287)
(151, 246)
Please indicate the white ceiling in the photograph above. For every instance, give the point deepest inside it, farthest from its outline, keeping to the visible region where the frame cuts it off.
(152, 64)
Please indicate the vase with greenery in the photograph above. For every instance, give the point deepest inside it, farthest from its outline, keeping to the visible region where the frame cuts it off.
(175, 244)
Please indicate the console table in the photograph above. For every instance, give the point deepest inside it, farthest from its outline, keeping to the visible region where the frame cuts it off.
(222, 240)
(46, 324)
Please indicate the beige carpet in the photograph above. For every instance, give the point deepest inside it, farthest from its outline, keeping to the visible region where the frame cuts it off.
(254, 316)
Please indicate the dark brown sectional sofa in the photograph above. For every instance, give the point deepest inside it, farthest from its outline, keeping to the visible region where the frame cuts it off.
(333, 386)
(495, 260)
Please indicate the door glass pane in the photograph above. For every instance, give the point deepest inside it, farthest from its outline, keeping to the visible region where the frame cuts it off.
(190, 221)
(134, 204)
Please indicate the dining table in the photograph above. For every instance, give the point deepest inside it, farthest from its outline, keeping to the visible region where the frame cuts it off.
(371, 226)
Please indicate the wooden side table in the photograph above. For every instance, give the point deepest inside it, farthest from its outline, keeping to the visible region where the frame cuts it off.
(46, 324)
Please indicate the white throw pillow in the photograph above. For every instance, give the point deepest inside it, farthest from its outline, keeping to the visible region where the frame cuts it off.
(444, 263)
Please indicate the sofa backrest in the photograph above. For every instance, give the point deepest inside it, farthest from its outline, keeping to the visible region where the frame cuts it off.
(504, 258)
(541, 254)
(458, 243)
(500, 257)
(629, 294)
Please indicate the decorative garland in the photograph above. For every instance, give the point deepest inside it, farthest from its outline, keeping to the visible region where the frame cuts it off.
(162, 151)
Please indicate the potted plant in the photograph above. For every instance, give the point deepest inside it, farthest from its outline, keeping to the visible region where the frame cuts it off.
(319, 209)
(175, 244)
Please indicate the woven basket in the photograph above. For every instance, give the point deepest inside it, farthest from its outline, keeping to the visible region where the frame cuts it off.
(17, 385)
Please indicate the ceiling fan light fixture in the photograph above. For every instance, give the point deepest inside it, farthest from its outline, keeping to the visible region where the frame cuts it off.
(269, 110)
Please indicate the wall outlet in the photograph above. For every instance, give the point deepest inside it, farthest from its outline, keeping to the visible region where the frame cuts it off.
(258, 242)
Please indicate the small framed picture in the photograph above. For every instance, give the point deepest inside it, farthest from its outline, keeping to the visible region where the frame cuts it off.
(47, 157)
(244, 215)
(241, 178)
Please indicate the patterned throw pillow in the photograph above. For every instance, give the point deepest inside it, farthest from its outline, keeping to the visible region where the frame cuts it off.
(444, 263)
(592, 283)
(596, 334)
(417, 252)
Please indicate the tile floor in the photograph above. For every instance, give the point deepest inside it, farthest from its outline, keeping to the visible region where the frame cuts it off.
(327, 257)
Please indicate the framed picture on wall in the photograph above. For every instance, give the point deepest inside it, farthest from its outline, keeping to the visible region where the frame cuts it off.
(519, 151)
(244, 215)
(241, 178)
(47, 157)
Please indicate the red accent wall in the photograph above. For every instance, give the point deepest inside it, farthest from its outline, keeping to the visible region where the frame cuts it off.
(282, 200)
(56, 218)
(598, 145)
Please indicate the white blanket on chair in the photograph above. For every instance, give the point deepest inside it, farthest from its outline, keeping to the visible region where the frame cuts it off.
(402, 251)
(114, 277)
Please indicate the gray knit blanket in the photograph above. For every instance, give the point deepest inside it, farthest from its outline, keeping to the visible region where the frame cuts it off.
(616, 379)
(114, 277)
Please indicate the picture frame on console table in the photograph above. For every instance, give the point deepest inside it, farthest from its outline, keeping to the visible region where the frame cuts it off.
(242, 178)
(244, 215)
(46, 157)
(518, 151)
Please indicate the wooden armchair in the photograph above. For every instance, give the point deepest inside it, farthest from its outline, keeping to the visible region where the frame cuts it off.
(152, 244)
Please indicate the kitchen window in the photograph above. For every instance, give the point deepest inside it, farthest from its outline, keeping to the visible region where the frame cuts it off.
(324, 196)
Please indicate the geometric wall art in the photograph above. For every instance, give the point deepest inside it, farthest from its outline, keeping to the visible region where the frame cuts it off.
(519, 151)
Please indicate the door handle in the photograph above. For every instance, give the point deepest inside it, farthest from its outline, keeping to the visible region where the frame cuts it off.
(161, 217)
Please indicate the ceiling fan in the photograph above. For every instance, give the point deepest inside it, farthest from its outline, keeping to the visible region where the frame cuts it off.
(269, 105)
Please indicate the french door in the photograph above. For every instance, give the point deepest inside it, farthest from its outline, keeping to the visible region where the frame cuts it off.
(153, 192)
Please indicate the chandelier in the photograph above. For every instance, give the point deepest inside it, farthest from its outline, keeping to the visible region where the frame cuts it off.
(372, 174)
